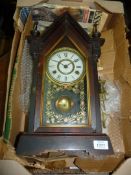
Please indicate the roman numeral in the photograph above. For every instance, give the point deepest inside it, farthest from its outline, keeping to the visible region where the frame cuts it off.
(65, 54)
(52, 65)
(59, 55)
(72, 56)
(66, 78)
(76, 60)
(78, 66)
(58, 77)
(72, 76)
(55, 61)
(54, 71)
(77, 72)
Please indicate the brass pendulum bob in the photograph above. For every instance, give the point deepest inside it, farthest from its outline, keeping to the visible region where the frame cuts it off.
(64, 104)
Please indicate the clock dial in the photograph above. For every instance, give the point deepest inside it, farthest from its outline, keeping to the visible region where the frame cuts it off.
(65, 65)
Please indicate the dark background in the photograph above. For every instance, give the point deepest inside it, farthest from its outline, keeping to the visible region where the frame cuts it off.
(7, 9)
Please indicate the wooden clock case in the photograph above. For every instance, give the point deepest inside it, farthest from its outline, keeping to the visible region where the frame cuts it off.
(65, 31)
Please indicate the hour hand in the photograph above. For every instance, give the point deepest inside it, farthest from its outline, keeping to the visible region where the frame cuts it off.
(62, 64)
(69, 64)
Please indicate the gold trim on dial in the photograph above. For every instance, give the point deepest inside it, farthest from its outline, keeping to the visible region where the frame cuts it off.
(67, 70)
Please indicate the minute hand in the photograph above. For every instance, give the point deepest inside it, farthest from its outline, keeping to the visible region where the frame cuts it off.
(62, 64)
(69, 64)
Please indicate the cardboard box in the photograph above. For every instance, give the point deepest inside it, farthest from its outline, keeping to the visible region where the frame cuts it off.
(115, 66)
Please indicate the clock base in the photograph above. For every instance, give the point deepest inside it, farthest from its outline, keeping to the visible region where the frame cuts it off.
(37, 143)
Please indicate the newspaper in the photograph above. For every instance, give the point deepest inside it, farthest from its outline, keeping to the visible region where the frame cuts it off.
(85, 16)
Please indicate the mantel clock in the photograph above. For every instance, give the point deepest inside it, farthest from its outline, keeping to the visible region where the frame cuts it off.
(64, 105)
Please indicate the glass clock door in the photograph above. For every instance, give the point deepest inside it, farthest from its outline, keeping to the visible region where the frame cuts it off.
(65, 101)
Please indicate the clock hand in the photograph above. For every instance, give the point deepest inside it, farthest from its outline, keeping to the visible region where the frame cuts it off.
(65, 65)
(69, 64)
(62, 64)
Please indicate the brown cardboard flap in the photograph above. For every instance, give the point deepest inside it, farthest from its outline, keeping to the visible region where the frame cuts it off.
(71, 3)
(15, 44)
(17, 114)
(109, 44)
(125, 168)
(107, 60)
(111, 6)
(105, 164)
(126, 130)
(26, 3)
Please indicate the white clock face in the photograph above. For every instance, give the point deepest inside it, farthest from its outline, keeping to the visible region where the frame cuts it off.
(65, 65)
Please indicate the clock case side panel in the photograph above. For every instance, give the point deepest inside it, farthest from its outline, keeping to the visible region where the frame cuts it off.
(64, 26)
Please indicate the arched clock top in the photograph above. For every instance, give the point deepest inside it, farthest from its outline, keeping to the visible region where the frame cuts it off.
(65, 25)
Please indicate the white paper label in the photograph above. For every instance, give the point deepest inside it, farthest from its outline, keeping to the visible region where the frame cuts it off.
(101, 144)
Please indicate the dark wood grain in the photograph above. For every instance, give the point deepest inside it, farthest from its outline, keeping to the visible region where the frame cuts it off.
(64, 32)
(38, 143)
(66, 28)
